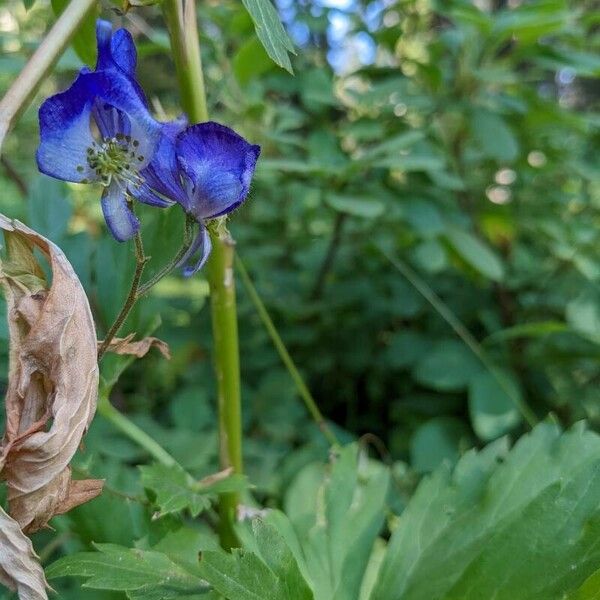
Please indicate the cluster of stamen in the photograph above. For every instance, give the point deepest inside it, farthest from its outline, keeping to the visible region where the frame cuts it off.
(115, 157)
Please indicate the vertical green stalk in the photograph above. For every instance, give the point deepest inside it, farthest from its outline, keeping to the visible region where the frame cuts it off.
(180, 16)
(183, 31)
(227, 365)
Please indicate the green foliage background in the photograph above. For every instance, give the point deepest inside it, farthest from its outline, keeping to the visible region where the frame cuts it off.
(460, 161)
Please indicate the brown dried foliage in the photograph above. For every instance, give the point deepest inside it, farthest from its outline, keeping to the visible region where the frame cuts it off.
(50, 401)
(127, 345)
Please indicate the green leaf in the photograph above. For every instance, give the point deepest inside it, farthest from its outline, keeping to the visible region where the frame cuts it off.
(448, 367)
(431, 256)
(437, 441)
(521, 524)
(539, 329)
(424, 217)
(270, 31)
(250, 61)
(84, 40)
(333, 531)
(364, 207)
(176, 491)
(494, 136)
(493, 412)
(583, 314)
(48, 208)
(589, 590)
(142, 574)
(270, 572)
(477, 254)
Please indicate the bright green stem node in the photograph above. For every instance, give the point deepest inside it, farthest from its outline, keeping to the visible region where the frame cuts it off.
(180, 16)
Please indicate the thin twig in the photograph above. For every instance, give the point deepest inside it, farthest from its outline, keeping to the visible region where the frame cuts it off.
(132, 296)
(287, 360)
(187, 240)
(465, 335)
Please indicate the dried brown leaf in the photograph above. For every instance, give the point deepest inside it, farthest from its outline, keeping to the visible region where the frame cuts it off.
(53, 378)
(20, 570)
(140, 348)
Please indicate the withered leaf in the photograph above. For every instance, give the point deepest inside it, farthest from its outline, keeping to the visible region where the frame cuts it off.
(53, 378)
(140, 348)
(20, 570)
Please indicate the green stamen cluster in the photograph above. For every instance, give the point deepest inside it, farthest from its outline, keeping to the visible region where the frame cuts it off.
(114, 157)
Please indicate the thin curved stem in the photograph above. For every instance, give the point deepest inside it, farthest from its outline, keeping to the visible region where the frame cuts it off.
(287, 360)
(465, 335)
(140, 262)
(187, 240)
(134, 432)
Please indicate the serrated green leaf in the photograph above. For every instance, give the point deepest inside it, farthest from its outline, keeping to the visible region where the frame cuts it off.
(332, 538)
(268, 573)
(142, 574)
(270, 32)
(521, 524)
(176, 491)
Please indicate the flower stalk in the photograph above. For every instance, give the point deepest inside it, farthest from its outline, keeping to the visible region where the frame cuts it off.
(180, 16)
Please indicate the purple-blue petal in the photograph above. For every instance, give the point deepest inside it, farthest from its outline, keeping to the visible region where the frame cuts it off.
(200, 244)
(122, 223)
(65, 133)
(143, 193)
(162, 175)
(115, 49)
(219, 164)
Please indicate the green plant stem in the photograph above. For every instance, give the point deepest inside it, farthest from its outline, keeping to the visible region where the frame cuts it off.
(133, 432)
(20, 93)
(187, 239)
(227, 366)
(132, 296)
(138, 289)
(462, 332)
(287, 360)
(183, 30)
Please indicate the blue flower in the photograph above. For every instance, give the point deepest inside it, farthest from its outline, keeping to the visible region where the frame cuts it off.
(100, 131)
(206, 168)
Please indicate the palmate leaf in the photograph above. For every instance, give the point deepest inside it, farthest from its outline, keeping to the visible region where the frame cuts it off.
(521, 524)
(142, 574)
(270, 31)
(176, 490)
(270, 572)
(332, 527)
